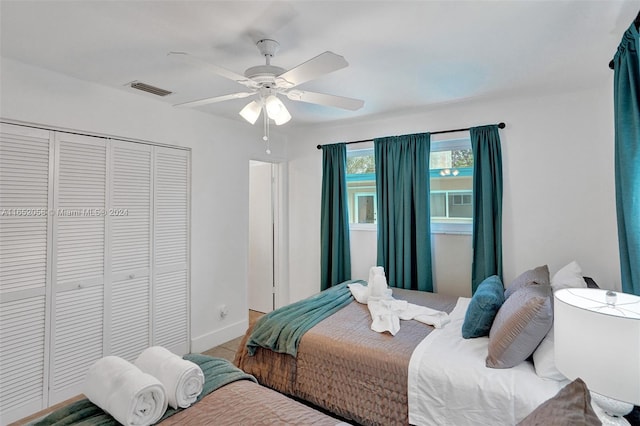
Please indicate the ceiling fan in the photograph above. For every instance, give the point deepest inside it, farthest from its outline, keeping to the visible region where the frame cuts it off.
(268, 81)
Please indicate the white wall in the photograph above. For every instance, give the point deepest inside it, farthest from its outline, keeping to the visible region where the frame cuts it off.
(221, 150)
(559, 202)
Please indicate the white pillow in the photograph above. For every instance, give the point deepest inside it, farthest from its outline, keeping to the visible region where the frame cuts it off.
(544, 356)
(568, 277)
(544, 359)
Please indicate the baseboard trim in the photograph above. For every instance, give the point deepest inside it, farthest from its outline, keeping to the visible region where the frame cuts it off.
(217, 337)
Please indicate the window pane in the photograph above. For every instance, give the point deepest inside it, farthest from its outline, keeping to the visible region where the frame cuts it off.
(451, 174)
(360, 161)
(366, 208)
(461, 158)
(438, 204)
(460, 205)
(440, 160)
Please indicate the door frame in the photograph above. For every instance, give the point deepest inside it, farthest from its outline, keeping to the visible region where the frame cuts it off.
(280, 292)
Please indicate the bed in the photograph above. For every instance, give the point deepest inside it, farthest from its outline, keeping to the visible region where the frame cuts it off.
(233, 398)
(344, 367)
(363, 376)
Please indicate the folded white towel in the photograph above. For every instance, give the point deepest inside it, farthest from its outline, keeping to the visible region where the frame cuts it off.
(386, 314)
(383, 318)
(183, 380)
(359, 292)
(424, 315)
(376, 286)
(118, 387)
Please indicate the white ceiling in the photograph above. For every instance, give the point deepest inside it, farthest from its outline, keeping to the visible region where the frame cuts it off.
(403, 55)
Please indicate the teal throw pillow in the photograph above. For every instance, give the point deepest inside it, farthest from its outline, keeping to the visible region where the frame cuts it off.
(484, 305)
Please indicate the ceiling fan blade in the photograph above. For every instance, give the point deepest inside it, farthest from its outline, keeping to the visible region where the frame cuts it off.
(322, 64)
(215, 99)
(327, 100)
(223, 72)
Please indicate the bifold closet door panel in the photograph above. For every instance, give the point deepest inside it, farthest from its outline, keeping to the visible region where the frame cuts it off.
(171, 249)
(130, 217)
(25, 203)
(94, 259)
(79, 248)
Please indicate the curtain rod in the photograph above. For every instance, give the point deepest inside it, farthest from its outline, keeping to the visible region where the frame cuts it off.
(636, 22)
(500, 126)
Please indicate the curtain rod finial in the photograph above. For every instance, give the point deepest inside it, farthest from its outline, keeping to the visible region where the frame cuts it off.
(501, 125)
(319, 146)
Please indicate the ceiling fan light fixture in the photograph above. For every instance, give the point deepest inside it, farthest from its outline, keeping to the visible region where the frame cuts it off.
(251, 111)
(276, 110)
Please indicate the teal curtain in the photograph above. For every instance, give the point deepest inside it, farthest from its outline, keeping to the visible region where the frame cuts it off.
(487, 204)
(334, 221)
(404, 225)
(626, 98)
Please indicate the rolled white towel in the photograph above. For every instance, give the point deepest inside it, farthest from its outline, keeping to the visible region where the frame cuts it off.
(380, 288)
(373, 272)
(183, 380)
(118, 387)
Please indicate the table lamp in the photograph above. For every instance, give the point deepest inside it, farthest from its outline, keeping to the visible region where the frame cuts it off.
(597, 338)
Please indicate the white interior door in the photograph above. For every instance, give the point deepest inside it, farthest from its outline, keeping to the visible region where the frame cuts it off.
(171, 249)
(25, 200)
(261, 237)
(78, 261)
(130, 223)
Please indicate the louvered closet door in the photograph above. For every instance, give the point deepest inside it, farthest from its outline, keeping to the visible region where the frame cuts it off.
(25, 179)
(171, 249)
(130, 217)
(79, 261)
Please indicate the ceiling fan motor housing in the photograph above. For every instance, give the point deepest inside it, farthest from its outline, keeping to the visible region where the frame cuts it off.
(266, 74)
(268, 47)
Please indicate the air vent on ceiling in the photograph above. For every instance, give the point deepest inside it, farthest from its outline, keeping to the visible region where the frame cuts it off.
(150, 89)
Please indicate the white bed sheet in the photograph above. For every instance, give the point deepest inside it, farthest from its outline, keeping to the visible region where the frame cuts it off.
(449, 383)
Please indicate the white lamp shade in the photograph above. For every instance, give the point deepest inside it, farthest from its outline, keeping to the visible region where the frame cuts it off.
(599, 343)
(251, 111)
(276, 110)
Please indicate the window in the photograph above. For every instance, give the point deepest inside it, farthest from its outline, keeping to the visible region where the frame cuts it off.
(451, 204)
(451, 174)
(451, 198)
(365, 207)
(361, 186)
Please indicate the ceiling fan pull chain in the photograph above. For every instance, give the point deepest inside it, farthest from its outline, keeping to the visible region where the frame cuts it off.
(266, 132)
(266, 126)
